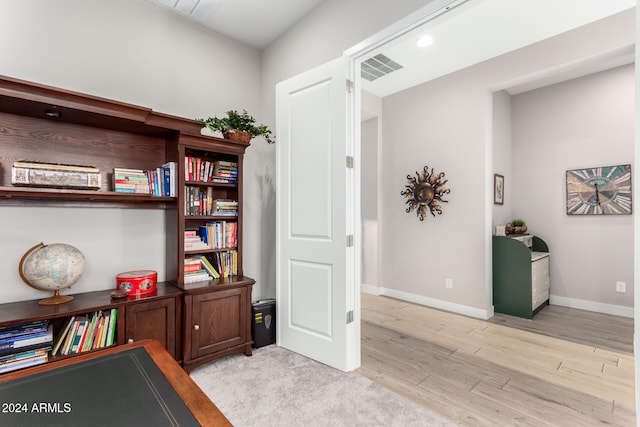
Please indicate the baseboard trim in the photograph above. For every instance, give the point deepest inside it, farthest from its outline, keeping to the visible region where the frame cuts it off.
(598, 307)
(465, 310)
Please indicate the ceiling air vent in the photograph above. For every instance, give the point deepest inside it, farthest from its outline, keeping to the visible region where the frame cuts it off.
(378, 66)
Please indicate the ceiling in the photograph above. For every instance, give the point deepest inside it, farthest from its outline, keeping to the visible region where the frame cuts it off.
(481, 30)
(484, 29)
(253, 22)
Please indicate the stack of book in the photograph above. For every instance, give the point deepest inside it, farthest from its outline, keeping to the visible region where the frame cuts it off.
(224, 171)
(225, 207)
(198, 268)
(193, 242)
(130, 181)
(83, 334)
(24, 345)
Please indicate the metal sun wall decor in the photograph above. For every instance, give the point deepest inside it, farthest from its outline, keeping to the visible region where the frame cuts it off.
(425, 191)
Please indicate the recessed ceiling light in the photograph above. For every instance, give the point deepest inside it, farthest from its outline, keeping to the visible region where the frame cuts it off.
(425, 41)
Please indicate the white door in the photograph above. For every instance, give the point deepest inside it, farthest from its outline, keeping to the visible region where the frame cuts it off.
(315, 289)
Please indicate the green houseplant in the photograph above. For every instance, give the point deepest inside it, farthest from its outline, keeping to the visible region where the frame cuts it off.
(516, 226)
(238, 126)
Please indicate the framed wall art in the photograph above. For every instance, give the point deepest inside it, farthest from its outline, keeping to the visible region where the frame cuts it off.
(604, 190)
(498, 189)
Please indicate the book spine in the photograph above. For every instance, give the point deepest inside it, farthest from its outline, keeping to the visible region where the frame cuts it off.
(112, 326)
(78, 337)
(69, 340)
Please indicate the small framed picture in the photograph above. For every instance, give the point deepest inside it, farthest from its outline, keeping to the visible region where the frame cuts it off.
(498, 189)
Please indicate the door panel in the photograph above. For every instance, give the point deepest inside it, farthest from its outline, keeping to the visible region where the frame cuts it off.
(311, 297)
(313, 281)
(220, 321)
(152, 320)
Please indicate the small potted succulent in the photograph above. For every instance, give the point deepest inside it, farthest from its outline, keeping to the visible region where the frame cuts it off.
(516, 226)
(238, 126)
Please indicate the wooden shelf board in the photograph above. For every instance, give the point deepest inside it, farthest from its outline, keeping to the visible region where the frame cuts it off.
(85, 195)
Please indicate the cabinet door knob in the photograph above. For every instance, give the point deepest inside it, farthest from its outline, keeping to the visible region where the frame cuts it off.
(196, 327)
(130, 340)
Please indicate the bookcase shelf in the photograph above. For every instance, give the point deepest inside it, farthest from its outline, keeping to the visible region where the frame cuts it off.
(209, 184)
(224, 301)
(24, 195)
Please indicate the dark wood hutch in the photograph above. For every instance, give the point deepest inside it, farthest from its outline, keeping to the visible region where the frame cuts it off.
(196, 323)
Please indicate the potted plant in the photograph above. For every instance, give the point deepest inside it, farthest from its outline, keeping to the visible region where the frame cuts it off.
(516, 226)
(238, 126)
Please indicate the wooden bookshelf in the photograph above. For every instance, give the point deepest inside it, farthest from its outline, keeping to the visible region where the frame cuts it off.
(39, 123)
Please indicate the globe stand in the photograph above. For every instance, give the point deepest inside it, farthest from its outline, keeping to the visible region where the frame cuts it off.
(56, 299)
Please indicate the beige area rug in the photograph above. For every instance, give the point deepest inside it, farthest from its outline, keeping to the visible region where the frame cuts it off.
(276, 387)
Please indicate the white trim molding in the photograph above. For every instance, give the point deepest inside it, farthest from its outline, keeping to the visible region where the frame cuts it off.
(598, 307)
(464, 310)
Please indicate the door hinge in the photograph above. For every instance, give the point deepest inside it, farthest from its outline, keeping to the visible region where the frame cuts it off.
(349, 316)
(349, 86)
(350, 241)
(350, 162)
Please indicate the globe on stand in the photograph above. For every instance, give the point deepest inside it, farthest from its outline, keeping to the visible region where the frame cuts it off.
(52, 268)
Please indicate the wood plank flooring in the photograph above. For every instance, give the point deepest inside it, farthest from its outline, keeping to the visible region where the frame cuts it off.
(584, 327)
(481, 373)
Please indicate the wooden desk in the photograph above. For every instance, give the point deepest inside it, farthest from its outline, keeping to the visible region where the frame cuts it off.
(133, 384)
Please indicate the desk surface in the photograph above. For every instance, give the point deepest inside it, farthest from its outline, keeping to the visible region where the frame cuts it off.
(134, 384)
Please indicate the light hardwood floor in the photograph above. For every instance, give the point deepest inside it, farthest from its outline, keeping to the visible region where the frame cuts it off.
(480, 373)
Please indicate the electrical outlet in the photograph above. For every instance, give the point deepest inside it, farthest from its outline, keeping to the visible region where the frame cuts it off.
(621, 286)
(448, 283)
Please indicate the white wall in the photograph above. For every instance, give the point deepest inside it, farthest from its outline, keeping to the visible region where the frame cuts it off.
(444, 124)
(501, 158)
(585, 122)
(130, 51)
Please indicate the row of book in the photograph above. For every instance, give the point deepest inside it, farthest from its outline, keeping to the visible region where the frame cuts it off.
(199, 268)
(157, 182)
(25, 345)
(201, 202)
(83, 334)
(212, 235)
(197, 169)
(219, 234)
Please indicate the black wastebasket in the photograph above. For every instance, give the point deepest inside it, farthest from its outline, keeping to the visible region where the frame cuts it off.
(263, 324)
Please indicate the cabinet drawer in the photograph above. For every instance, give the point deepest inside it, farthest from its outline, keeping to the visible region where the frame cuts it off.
(540, 270)
(540, 282)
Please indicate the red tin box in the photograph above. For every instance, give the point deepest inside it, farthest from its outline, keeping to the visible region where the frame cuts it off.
(138, 282)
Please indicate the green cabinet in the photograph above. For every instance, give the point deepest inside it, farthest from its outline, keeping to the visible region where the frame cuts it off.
(521, 281)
